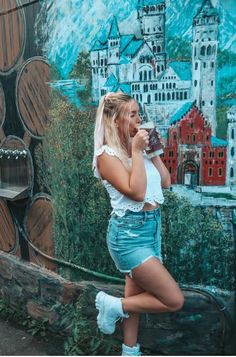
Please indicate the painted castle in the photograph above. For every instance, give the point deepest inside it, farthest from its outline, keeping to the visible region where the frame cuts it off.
(170, 91)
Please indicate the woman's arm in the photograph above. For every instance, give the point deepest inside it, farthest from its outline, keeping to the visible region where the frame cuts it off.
(165, 175)
(132, 184)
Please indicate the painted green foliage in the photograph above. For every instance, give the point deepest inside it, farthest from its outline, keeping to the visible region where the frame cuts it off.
(192, 238)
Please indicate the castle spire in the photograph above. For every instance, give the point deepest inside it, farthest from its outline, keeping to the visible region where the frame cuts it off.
(114, 29)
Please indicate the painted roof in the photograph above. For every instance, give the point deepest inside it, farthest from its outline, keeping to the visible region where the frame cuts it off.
(114, 29)
(181, 112)
(124, 60)
(232, 110)
(124, 87)
(133, 47)
(125, 40)
(182, 69)
(98, 45)
(206, 9)
(218, 142)
(111, 81)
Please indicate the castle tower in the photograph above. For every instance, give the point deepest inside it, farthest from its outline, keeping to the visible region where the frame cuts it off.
(113, 41)
(231, 154)
(151, 14)
(204, 53)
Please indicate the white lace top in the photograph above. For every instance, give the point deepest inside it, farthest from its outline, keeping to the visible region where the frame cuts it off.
(121, 203)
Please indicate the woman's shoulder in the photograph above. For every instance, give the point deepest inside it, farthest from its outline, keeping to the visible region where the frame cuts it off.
(106, 149)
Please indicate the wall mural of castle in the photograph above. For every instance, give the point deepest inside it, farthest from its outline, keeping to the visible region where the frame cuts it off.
(180, 96)
(170, 61)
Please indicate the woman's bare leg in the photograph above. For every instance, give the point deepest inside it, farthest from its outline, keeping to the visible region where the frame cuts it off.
(161, 294)
(131, 324)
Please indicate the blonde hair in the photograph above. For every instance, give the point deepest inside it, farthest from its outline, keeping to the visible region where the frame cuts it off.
(113, 108)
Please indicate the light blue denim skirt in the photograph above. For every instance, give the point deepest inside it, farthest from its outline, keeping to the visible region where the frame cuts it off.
(134, 238)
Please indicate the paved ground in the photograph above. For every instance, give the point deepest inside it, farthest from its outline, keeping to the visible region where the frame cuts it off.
(15, 341)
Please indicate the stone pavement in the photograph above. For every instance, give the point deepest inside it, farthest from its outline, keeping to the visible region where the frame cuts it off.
(15, 341)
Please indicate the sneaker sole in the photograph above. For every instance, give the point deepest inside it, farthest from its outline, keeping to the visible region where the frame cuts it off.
(100, 306)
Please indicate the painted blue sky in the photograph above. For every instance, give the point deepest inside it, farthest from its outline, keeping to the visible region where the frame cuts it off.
(73, 24)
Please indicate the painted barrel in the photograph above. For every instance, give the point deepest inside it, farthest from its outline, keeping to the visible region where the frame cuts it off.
(2, 106)
(32, 95)
(12, 35)
(8, 231)
(16, 169)
(38, 225)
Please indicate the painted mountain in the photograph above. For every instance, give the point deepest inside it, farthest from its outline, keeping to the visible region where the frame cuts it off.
(71, 26)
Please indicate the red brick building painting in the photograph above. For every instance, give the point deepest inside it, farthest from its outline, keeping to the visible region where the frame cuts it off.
(192, 155)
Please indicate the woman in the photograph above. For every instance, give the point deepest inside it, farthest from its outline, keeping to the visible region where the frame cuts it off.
(134, 183)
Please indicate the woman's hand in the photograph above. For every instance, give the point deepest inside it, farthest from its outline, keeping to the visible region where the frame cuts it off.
(140, 140)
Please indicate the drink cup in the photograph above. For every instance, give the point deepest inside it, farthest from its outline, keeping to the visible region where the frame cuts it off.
(155, 146)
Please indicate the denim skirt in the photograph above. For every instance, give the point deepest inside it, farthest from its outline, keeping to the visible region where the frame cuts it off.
(134, 238)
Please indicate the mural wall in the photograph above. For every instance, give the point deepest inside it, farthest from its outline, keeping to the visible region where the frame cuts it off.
(180, 66)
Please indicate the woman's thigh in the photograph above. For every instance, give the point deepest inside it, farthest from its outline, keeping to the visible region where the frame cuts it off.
(154, 278)
(131, 287)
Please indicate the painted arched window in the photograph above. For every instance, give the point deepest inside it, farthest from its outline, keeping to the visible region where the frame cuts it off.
(203, 50)
(145, 75)
(163, 96)
(154, 49)
(232, 134)
(231, 172)
(140, 76)
(158, 48)
(158, 69)
(159, 96)
(150, 74)
(196, 65)
(149, 98)
(173, 95)
(209, 50)
(195, 51)
(232, 151)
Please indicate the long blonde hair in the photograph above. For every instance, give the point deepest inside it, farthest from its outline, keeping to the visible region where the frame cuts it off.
(113, 106)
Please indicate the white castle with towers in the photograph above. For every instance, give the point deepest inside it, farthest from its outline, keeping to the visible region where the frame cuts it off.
(139, 67)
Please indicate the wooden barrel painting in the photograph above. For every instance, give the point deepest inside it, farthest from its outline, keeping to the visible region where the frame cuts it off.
(8, 231)
(38, 226)
(32, 95)
(2, 106)
(12, 35)
(16, 169)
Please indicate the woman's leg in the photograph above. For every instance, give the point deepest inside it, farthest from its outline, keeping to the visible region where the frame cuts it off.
(131, 324)
(162, 293)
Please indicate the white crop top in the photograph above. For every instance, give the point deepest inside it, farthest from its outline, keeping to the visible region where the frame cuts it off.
(121, 203)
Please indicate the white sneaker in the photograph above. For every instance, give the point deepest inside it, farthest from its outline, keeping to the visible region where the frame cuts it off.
(110, 311)
(131, 351)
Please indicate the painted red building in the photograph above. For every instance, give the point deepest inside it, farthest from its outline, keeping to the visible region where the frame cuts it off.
(192, 155)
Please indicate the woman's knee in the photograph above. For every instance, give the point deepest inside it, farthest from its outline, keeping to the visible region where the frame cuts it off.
(177, 303)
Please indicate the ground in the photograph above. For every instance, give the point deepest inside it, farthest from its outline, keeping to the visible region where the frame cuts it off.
(16, 341)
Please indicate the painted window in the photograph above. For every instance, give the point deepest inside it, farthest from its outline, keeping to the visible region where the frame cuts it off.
(195, 83)
(203, 50)
(210, 171)
(231, 172)
(209, 50)
(232, 134)
(220, 171)
(196, 65)
(232, 151)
